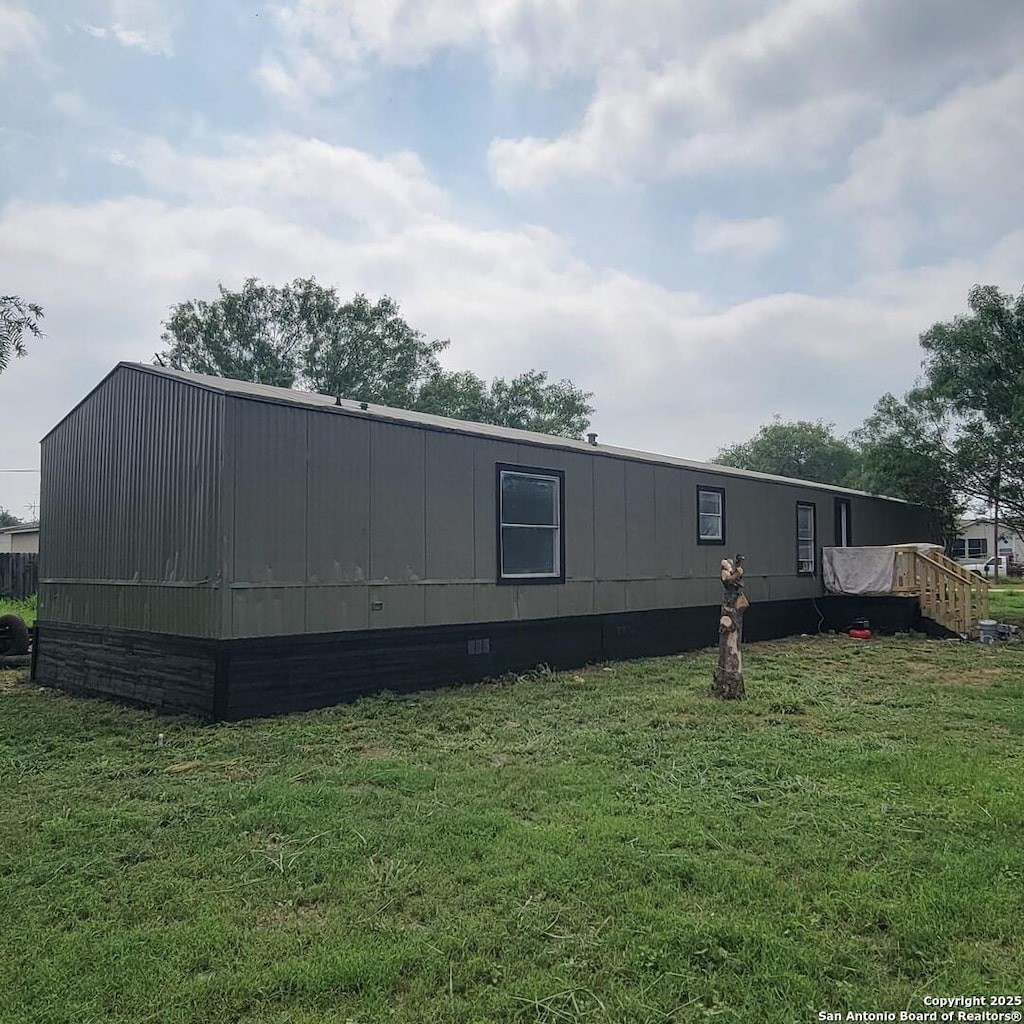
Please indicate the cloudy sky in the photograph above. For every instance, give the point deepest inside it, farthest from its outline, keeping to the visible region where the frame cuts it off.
(706, 213)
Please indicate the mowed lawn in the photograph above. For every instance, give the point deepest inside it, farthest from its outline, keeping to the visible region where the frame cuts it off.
(602, 845)
(1006, 601)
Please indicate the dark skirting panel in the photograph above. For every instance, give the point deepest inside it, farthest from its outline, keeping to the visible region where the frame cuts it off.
(246, 678)
(171, 673)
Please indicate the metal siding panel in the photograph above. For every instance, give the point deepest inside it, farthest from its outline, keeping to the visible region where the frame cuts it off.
(576, 598)
(641, 594)
(268, 611)
(609, 519)
(338, 506)
(669, 522)
(780, 557)
(789, 588)
(486, 456)
(130, 492)
(641, 542)
(446, 603)
(609, 596)
(693, 553)
(182, 611)
(397, 503)
(668, 593)
(757, 587)
(270, 497)
(450, 509)
(493, 603)
(537, 602)
(399, 605)
(336, 608)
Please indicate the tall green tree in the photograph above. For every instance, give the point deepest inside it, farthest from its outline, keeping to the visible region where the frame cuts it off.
(366, 351)
(956, 440)
(801, 449)
(904, 453)
(18, 320)
(258, 333)
(974, 370)
(302, 334)
(8, 518)
(526, 402)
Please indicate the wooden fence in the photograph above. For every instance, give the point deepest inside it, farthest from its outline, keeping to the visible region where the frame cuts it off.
(18, 574)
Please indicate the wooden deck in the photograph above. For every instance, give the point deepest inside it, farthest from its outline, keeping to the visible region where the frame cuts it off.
(953, 596)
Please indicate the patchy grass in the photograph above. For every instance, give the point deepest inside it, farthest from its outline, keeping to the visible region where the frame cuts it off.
(1007, 604)
(603, 845)
(26, 609)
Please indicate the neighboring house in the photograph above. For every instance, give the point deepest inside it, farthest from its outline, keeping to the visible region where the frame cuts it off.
(975, 542)
(20, 539)
(236, 549)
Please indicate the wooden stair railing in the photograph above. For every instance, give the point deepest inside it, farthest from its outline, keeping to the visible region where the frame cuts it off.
(953, 596)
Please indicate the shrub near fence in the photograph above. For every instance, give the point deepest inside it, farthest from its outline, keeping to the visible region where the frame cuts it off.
(18, 575)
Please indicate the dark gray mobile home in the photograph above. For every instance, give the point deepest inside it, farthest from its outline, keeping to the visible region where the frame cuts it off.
(233, 549)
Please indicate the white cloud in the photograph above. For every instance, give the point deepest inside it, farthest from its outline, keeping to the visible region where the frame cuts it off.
(952, 171)
(748, 239)
(323, 44)
(788, 90)
(21, 32)
(286, 172)
(156, 44)
(146, 25)
(679, 89)
(624, 136)
(509, 299)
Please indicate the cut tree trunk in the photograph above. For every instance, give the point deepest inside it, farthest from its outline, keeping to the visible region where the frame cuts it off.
(728, 677)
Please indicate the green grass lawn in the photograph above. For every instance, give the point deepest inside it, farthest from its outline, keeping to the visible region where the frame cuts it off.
(26, 609)
(1006, 603)
(603, 845)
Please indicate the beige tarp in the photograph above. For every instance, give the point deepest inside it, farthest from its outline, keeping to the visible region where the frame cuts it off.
(863, 570)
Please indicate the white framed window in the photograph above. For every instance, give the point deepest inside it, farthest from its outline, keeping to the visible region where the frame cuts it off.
(959, 549)
(977, 547)
(806, 541)
(531, 546)
(710, 515)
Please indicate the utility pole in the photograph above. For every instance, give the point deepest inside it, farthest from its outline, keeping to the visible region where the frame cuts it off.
(995, 521)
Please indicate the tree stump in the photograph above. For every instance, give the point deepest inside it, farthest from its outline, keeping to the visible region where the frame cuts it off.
(728, 678)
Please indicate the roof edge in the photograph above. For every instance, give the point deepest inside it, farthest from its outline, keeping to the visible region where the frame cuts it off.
(444, 424)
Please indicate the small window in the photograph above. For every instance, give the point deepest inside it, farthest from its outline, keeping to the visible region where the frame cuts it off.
(959, 549)
(530, 510)
(710, 515)
(977, 547)
(843, 537)
(805, 540)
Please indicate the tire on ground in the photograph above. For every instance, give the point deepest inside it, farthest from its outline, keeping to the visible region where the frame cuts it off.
(13, 635)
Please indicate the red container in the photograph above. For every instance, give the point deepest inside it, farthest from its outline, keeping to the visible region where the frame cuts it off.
(860, 634)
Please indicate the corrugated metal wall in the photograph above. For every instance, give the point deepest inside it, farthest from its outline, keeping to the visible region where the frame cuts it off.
(130, 506)
(345, 523)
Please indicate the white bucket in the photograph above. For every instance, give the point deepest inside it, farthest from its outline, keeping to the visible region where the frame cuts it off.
(989, 628)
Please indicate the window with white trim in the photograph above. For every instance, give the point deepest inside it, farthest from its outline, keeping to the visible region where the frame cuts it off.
(530, 525)
(805, 539)
(977, 547)
(959, 549)
(710, 515)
